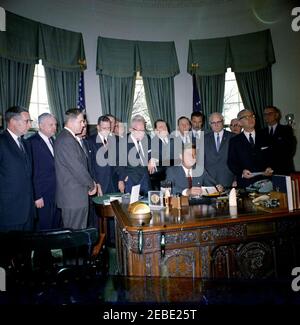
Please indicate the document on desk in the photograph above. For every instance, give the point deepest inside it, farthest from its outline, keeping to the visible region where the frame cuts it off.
(208, 190)
(135, 193)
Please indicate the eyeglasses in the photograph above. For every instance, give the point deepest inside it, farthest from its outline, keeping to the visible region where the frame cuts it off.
(247, 117)
(216, 123)
(235, 125)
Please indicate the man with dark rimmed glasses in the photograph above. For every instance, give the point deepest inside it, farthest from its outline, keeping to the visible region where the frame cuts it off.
(247, 157)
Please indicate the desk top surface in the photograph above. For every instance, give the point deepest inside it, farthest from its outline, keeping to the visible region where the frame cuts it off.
(199, 215)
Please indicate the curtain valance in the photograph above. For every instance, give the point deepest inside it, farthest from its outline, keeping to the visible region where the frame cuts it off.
(243, 53)
(27, 41)
(123, 58)
(20, 41)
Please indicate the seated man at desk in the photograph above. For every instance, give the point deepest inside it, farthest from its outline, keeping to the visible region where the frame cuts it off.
(185, 178)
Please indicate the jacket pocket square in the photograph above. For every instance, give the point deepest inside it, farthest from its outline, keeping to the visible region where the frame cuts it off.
(264, 148)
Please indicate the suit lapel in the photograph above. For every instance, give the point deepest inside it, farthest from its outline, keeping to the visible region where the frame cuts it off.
(13, 144)
(44, 146)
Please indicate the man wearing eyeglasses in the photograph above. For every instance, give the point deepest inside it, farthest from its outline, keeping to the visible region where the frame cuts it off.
(216, 145)
(248, 157)
(281, 142)
(16, 192)
(138, 162)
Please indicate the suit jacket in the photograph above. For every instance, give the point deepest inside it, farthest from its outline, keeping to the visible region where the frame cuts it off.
(215, 162)
(130, 160)
(163, 152)
(16, 192)
(281, 148)
(177, 176)
(242, 156)
(102, 171)
(44, 181)
(73, 180)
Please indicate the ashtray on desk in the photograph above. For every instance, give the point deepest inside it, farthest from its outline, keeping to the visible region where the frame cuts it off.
(139, 212)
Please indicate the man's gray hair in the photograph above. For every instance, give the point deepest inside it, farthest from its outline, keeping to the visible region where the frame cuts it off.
(138, 118)
(43, 116)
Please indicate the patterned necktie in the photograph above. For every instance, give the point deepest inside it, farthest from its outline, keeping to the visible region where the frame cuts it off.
(218, 142)
(190, 180)
(251, 140)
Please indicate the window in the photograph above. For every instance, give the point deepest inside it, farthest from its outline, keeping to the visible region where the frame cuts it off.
(39, 99)
(232, 98)
(139, 102)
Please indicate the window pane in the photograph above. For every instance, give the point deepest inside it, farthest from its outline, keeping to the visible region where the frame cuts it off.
(41, 70)
(39, 100)
(140, 104)
(231, 92)
(42, 91)
(232, 99)
(34, 92)
(34, 113)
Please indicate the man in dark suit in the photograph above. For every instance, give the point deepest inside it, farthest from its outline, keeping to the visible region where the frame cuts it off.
(44, 182)
(188, 178)
(137, 165)
(100, 144)
(197, 124)
(162, 152)
(73, 180)
(281, 142)
(216, 145)
(247, 153)
(16, 192)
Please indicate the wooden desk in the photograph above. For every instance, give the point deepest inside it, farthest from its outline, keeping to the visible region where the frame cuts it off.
(205, 241)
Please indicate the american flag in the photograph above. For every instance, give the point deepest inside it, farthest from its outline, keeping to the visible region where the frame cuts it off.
(196, 97)
(81, 96)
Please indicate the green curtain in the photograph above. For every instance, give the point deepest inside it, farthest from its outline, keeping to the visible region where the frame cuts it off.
(62, 90)
(117, 63)
(160, 99)
(61, 49)
(20, 41)
(15, 84)
(62, 54)
(117, 95)
(243, 53)
(158, 64)
(211, 92)
(256, 91)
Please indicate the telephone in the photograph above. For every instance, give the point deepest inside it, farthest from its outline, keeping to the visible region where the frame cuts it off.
(262, 186)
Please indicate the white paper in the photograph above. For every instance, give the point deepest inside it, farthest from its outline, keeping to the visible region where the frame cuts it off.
(207, 190)
(257, 173)
(232, 198)
(135, 193)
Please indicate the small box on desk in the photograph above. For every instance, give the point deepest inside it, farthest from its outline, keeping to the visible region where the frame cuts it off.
(179, 201)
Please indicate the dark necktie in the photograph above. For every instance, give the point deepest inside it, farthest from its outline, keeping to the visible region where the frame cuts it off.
(271, 131)
(218, 142)
(190, 180)
(21, 145)
(51, 141)
(251, 141)
(82, 144)
(105, 141)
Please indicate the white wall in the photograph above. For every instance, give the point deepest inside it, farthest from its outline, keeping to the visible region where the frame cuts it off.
(121, 19)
